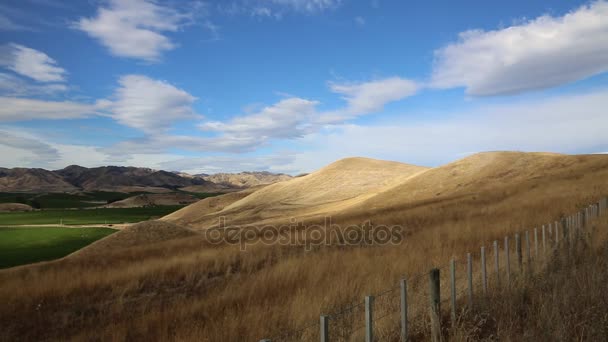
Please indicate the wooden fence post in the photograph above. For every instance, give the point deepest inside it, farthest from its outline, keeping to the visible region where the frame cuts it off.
(528, 247)
(544, 240)
(496, 263)
(535, 243)
(518, 250)
(324, 328)
(369, 318)
(435, 305)
(507, 260)
(404, 332)
(484, 279)
(453, 289)
(470, 276)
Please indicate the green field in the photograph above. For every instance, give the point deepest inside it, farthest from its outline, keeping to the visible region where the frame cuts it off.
(64, 200)
(19, 246)
(77, 200)
(86, 216)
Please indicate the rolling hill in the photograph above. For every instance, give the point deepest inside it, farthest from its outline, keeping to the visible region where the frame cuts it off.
(167, 280)
(357, 189)
(332, 188)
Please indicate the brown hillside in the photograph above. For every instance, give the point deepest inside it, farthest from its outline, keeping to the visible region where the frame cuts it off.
(8, 207)
(22, 180)
(146, 200)
(206, 207)
(141, 234)
(332, 188)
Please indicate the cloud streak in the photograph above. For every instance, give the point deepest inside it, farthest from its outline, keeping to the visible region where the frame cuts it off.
(31, 63)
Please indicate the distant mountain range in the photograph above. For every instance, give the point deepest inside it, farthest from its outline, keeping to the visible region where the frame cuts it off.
(126, 179)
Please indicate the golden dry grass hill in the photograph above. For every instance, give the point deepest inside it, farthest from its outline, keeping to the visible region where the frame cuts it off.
(331, 189)
(183, 287)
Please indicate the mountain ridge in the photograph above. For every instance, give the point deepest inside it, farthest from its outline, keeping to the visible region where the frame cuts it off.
(121, 179)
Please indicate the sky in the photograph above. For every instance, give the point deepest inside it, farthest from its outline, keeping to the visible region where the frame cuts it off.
(293, 85)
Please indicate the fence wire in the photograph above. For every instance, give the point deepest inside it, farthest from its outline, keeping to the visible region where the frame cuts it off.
(347, 322)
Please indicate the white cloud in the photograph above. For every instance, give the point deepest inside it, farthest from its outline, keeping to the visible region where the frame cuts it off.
(31, 63)
(21, 109)
(370, 97)
(11, 85)
(360, 21)
(540, 53)
(135, 28)
(286, 119)
(294, 117)
(149, 105)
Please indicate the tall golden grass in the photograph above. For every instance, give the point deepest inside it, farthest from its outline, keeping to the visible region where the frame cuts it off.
(190, 289)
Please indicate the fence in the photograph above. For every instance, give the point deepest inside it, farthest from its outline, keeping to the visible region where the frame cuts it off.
(409, 301)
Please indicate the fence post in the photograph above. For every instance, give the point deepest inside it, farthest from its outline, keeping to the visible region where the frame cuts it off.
(535, 243)
(496, 263)
(484, 279)
(556, 234)
(323, 326)
(369, 318)
(404, 332)
(583, 218)
(528, 247)
(470, 276)
(453, 289)
(507, 261)
(518, 250)
(544, 240)
(435, 308)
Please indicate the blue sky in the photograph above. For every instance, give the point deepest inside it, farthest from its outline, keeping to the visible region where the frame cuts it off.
(291, 85)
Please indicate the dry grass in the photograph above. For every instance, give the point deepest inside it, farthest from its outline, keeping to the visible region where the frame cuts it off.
(189, 289)
(566, 301)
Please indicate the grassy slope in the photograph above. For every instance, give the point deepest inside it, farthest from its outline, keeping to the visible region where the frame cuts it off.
(20, 246)
(86, 216)
(188, 289)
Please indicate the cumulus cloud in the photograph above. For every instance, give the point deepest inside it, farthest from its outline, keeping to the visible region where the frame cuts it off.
(286, 119)
(541, 53)
(31, 63)
(149, 105)
(370, 97)
(295, 117)
(22, 109)
(136, 28)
